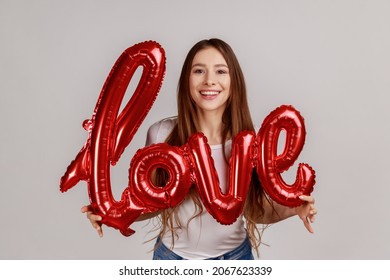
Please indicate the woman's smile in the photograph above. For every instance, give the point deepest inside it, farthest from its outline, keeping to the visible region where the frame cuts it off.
(209, 94)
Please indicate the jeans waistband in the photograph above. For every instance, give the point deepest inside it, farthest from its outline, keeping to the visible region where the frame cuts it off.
(242, 252)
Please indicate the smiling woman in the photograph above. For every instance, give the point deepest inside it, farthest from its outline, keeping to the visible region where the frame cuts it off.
(212, 100)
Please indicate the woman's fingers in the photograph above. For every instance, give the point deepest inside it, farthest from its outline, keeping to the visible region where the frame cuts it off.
(308, 225)
(308, 212)
(307, 198)
(85, 208)
(99, 229)
(312, 216)
(94, 219)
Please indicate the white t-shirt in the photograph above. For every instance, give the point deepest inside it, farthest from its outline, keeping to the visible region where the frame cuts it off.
(205, 237)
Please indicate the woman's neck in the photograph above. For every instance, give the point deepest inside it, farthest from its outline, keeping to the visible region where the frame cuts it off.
(210, 124)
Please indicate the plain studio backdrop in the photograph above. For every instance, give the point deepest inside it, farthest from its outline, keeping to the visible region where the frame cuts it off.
(330, 59)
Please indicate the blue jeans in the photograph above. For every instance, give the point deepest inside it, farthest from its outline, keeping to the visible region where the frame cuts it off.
(242, 252)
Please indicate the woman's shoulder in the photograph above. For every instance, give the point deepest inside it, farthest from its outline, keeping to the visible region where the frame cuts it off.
(159, 131)
(164, 124)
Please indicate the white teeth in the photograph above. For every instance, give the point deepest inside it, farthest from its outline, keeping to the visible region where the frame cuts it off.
(209, 92)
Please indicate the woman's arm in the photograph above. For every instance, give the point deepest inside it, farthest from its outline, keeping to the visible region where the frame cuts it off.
(96, 219)
(274, 212)
(147, 216)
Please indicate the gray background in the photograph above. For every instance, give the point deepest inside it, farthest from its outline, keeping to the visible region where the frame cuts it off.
(330, 59)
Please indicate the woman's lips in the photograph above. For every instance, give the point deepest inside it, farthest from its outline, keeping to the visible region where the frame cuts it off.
(209, 94)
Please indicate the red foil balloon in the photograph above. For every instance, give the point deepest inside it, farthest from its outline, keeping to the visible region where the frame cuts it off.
(172, 160)
(109, 134)
(225, 208)
(270, 165)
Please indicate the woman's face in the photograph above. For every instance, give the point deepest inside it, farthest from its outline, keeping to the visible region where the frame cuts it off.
(210, 81)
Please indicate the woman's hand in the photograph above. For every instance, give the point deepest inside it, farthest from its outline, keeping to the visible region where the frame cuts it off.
(94, 219)
(307, 211)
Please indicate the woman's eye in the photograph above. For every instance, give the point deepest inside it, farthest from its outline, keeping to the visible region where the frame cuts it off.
(222, 71)
(198, 71)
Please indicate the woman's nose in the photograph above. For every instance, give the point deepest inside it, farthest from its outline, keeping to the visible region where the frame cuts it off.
(209, 80)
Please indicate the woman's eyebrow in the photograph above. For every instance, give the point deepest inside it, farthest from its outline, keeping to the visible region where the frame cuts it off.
(221, 65)
(204, 65)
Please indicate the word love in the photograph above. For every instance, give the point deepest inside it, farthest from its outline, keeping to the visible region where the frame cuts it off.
(190, 164)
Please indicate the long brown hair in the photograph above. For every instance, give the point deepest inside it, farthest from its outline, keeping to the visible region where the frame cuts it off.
(236, 118)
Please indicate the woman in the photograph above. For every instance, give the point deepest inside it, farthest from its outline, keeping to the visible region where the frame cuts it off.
(212, 99)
